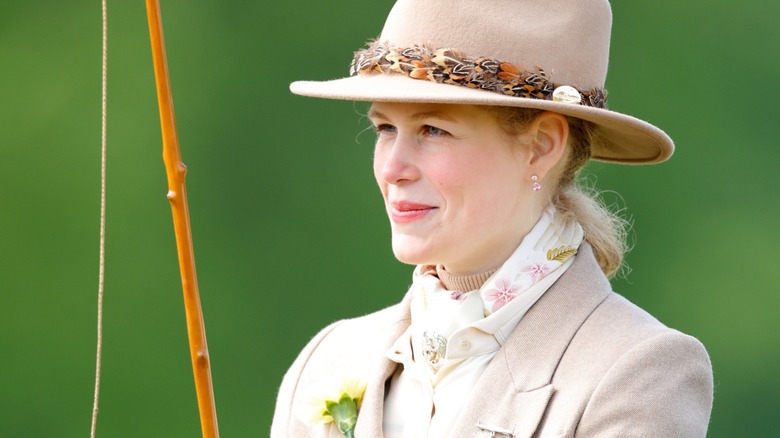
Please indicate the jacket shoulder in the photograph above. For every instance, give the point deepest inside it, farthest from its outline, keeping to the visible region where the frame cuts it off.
(630, 375)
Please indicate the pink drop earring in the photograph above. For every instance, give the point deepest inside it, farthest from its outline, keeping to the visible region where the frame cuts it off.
(536, 186)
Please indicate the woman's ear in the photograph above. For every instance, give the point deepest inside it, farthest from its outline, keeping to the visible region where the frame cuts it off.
(548, 135)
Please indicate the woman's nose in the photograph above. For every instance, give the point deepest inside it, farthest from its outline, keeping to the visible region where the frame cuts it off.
(397, 161)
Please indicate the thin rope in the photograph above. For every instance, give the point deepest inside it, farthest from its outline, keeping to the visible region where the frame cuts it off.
(102, 257)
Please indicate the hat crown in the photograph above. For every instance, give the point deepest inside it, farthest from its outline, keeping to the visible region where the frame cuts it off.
(486, 52)
(569, 39)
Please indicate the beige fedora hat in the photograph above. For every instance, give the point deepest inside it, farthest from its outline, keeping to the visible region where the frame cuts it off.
(544, 54)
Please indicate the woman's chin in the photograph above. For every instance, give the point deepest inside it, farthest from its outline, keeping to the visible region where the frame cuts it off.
(408, 259)
(411, 253)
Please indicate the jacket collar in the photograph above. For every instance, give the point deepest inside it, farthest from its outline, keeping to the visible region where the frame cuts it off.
(525, 364)
(528, 360)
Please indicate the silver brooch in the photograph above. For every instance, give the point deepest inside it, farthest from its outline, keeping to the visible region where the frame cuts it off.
(434, 347)
(495, 430)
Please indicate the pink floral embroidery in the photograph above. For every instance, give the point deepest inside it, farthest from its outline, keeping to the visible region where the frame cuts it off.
(538, 270)
(502, 293)
(458, 295)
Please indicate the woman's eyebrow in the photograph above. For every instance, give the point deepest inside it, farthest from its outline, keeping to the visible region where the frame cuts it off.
(373, 114)
(432, 115)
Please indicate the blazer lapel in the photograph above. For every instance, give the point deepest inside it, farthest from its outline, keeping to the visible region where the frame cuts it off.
(515, 389)
(370, 417)
(498, 409)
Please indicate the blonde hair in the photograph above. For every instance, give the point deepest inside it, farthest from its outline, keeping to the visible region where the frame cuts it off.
(604, 229)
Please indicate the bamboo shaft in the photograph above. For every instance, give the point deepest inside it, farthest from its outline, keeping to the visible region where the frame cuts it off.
(177, 195)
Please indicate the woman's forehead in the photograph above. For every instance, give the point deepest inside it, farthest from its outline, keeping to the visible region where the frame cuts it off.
(419, 111)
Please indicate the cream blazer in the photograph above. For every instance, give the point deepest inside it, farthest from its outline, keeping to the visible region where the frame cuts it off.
(584, 361)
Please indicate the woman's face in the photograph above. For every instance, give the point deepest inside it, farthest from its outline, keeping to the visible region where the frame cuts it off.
(457, 190)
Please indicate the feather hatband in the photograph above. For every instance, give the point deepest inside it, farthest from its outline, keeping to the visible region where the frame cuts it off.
(448, 66)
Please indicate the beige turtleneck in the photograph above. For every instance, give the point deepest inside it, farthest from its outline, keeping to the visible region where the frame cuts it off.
(464, 283)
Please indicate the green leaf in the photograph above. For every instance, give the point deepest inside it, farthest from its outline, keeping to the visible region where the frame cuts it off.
(344, 413)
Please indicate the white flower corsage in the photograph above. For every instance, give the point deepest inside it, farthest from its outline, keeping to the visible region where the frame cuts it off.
(337, 402)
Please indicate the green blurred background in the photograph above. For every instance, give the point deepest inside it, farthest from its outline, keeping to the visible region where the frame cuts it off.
(288, 225)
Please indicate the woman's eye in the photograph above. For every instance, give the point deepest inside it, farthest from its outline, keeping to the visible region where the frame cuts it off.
(384, 129)
(434, 131)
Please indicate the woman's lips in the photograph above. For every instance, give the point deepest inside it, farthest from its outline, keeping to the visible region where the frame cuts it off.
(405, 211)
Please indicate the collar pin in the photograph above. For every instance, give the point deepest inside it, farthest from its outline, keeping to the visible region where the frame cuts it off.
(494, 430)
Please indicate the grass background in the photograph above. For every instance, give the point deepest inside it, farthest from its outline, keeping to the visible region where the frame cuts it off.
(288, 225)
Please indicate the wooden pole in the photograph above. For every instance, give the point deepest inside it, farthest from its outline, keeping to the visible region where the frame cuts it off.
(177, 195)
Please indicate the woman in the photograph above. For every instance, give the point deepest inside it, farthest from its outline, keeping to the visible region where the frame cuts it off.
(510, 327)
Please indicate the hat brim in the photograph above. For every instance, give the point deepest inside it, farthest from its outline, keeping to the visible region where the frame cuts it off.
(624, 139)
